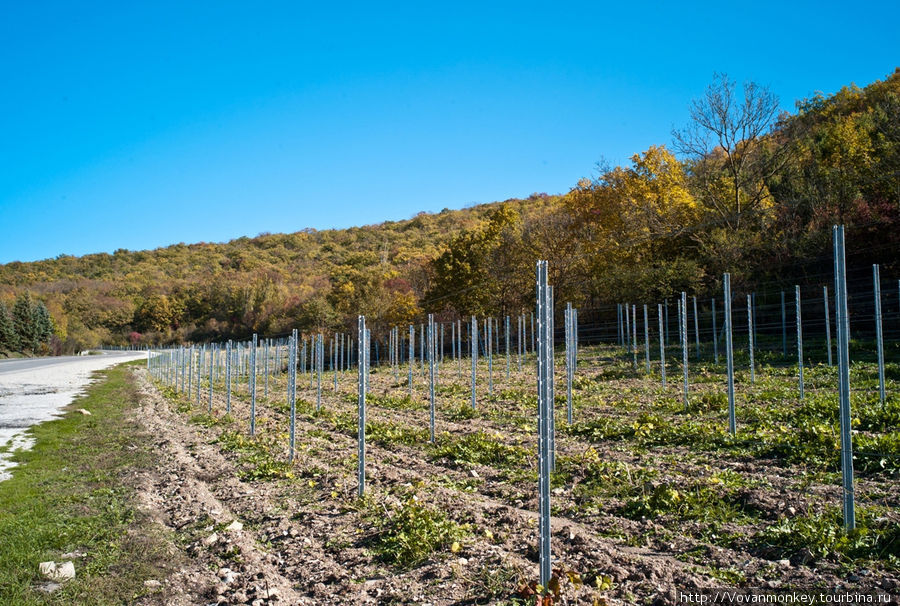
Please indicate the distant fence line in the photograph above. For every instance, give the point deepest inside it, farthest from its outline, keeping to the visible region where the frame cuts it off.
(702, 331)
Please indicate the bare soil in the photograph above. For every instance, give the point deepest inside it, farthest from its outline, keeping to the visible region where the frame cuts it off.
(307, 539)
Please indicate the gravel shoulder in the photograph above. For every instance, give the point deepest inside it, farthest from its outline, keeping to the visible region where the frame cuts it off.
(35, 390)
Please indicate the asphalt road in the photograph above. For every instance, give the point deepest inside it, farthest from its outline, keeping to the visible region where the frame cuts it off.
(20, 364)
(33, 390)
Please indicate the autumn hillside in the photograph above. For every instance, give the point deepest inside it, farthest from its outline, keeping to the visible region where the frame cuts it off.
(267, 284)
(756, 197)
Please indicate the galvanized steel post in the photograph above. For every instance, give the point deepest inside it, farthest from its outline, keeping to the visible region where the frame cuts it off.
(362, 372)
(320, 365)
(575, 336)
(507, 347)
(662, 345)
(827, 323)
(489, 341)
(879, 341)
(228, 354)
(799, 341)
(697, 328)
(753, 312)
(431, 349)
(843, 350)
(252, 380)
(627, 342)
(646, 341)
(412, 356)
(459, 349)
(292, 389)
(684, 345)
(570, 372)
(473, 342)
(634, 335)
(545, 411)
(266, 371)
(619, 340)
(520, 340)
(666, 309)
(750, 337)
(211, 375)
(729, 353)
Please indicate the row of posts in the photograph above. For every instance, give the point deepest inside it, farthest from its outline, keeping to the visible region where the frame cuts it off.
(165, 367)
(628, 333)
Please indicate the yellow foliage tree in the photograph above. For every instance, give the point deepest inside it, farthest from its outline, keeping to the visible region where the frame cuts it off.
(632, 210)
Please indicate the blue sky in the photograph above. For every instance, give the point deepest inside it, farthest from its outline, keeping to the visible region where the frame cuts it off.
(137, 125)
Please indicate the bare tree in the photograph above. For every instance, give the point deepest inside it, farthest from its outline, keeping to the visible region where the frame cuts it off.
(726, 143)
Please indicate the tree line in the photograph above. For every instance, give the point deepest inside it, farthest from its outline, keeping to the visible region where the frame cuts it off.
(27, 327)
(743, 188)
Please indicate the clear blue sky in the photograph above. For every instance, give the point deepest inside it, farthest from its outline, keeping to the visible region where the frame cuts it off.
(126, 126)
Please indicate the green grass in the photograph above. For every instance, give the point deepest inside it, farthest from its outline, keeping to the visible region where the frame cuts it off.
(70, 492)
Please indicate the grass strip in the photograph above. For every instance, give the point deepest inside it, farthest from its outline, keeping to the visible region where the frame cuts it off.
(70, 492)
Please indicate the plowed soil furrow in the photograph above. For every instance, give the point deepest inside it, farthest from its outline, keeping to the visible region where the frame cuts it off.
(308, 539)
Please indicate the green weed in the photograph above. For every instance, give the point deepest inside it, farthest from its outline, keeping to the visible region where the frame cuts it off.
(411, 532)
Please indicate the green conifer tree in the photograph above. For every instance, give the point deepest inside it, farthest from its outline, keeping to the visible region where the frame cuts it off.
(8, 339)
(43, 325)
(23, 322)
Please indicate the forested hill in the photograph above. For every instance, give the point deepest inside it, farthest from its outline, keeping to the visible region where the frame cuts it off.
(270, 283)
(747, 191)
